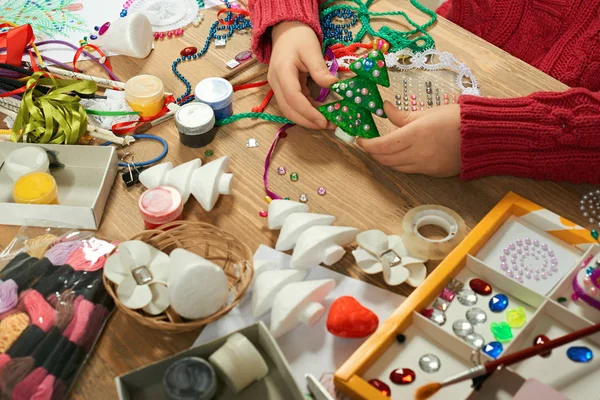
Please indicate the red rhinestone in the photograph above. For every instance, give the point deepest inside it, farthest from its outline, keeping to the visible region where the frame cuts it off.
(428, 312)
(381, 386)
(480, 286)
(263, 213)
(403, 376)
(189, 51)
(542, 339)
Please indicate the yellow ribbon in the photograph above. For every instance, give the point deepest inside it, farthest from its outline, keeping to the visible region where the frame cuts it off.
(55, 117)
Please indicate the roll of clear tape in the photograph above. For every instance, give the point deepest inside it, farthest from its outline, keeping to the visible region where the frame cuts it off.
(432, 249)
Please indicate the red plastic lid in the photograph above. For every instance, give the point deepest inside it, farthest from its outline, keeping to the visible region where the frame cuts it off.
(160, 205)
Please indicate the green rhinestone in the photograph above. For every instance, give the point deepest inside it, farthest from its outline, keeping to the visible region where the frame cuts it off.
(209, 153)
(595, 234)
(287, 198)
(562, 299)
(501, 331)
(294, 177)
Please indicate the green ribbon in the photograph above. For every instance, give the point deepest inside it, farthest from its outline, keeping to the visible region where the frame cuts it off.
(111, 113)
(55, 117)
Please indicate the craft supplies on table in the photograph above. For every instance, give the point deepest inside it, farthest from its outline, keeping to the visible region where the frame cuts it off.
(84, 176)
(308, 349)
(160, 205)
(145, 93)
(505, 287)
(278, 383)
(218, 94)
(130, 37)
(196, 124)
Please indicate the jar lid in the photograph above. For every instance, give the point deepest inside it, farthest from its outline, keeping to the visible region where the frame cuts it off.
(216, 92)
(160, 204)
(35, 188)
(194, 118)
(191, 378)
(25, 160)
(144, 87)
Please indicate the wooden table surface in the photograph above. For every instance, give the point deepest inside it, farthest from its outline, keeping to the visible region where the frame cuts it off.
(360, 193)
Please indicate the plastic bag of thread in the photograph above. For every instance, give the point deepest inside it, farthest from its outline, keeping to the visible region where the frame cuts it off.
(52, 311)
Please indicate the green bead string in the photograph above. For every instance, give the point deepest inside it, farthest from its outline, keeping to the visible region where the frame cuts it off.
(397, 39)
(266, 117)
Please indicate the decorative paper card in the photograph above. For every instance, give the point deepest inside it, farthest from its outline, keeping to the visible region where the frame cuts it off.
(309, 349)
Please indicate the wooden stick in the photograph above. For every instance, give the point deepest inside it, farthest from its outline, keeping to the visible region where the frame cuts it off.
(76, 75)
(239, 69)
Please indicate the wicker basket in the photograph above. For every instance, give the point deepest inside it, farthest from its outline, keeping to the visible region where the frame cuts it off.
(209, 242)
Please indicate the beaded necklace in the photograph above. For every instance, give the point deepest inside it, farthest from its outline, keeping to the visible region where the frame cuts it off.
(334, 33)
(237, 22)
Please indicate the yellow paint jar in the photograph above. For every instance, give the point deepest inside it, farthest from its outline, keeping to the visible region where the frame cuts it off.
(36, 188)
(145, 93)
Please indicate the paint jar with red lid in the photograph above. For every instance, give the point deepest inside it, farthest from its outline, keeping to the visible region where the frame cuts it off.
(160, 205)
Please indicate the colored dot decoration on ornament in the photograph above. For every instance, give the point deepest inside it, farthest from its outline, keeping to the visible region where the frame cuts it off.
(281, 170)
(209, 153)
(589, 207)
(527, 259)
(303, 198)
(381, 386)
(400, 338)
(294, 177)
(403, 376)
(498, 303)
(321, 191)
(580, 354)
(263, 213)
(516, 317)
(493, 349)
(480, 287)
(542, 339)
(501, 331)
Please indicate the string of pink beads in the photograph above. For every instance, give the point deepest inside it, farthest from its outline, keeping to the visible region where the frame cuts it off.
(172, 33)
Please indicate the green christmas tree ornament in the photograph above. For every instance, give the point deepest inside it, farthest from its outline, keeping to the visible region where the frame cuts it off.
(360, 99)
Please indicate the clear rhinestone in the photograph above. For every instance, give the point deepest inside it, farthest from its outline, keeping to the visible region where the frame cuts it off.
(438, 317)
(455, 285)
(476, 316)
(467, 297)
(475, 340)
(142, 275)
(441, 304)
(430, 363)
(462, 328)
(392, 258)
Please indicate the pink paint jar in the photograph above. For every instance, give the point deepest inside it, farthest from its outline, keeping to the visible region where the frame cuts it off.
(160, 205)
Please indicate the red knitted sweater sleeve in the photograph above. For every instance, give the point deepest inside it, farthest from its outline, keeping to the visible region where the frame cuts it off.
(264, 14)
(553, 136)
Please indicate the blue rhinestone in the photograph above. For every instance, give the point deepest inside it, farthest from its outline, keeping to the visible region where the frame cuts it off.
(96, 28)
(589, 271)
(498, 303)
(93, 37)
(580, 354)
(493, 349)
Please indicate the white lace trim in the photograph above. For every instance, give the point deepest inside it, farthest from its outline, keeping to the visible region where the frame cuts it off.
(429, 60)
(434, 60)
(167, 15)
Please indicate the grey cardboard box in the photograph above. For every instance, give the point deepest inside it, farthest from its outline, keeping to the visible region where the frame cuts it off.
(146, 383)
(83, 188)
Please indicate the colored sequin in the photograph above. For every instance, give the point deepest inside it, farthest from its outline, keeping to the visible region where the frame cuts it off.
(480, 286)
(294, 177)
(321, 191)
(209, 153)
(493, 349)
(580, 354)
(281, 170)
(403, 376)
(381, 386)
(562, 299)
(263, 213)
(501, 331)
(516, 317)
(498, 303)
(268, 199)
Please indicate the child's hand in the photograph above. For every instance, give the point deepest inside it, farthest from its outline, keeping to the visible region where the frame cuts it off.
(426, 142)
(297, 53)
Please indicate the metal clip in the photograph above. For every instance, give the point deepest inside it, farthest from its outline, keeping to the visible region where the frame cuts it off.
(132, 174)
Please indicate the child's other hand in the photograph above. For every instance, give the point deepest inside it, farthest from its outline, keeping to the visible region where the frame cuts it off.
(426, 142)
(297, 53)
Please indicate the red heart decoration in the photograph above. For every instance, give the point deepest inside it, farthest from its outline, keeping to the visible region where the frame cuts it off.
(349, 319)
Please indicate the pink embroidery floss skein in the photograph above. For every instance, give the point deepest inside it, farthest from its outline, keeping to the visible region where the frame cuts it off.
(60, 252)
